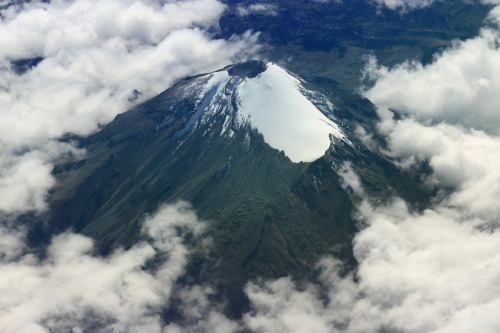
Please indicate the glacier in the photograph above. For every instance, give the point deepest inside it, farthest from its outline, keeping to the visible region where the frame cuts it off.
(274, 103)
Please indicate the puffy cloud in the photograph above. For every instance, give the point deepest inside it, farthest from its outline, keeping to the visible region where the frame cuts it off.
(460, 87)
(90, 57)
(424, 272)
(464, 161)
(71, 289)
(257, 9)
(12, 240)
(43, 29)
(26, 175)
(285, 306)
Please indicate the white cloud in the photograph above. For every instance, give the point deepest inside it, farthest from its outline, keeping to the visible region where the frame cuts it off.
(43, 29)
(423, 272)
(12, 240)
(404, 4)
(452, 121)
(72, 290)
(460, 87)
(351, 181)
(283, 306)
(26, 176)
(257, 9)
(95, 54)
(201, 314)
(465, 161)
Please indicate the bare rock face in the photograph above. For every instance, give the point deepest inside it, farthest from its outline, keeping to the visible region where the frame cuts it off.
(248, 69)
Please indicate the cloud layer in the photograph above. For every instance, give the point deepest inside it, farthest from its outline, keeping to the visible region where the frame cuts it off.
(460, 87)
(73, 290)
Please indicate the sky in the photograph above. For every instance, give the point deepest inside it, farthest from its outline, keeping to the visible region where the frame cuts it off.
(434, 271)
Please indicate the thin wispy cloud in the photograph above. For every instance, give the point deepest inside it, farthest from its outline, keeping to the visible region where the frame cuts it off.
(258, 9)
(407, 5)
(404, 4)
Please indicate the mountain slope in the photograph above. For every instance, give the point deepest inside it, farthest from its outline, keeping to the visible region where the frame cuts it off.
(204, 141)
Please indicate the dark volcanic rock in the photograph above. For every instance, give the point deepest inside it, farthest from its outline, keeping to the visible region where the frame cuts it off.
(249, 69)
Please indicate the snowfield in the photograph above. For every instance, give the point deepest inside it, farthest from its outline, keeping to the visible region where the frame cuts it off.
(274, 105)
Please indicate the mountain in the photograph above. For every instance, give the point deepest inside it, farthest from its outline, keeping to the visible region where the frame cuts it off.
(264, 196)
(260, 154)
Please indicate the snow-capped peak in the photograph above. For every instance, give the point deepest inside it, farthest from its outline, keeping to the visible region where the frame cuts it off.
(273, 102)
